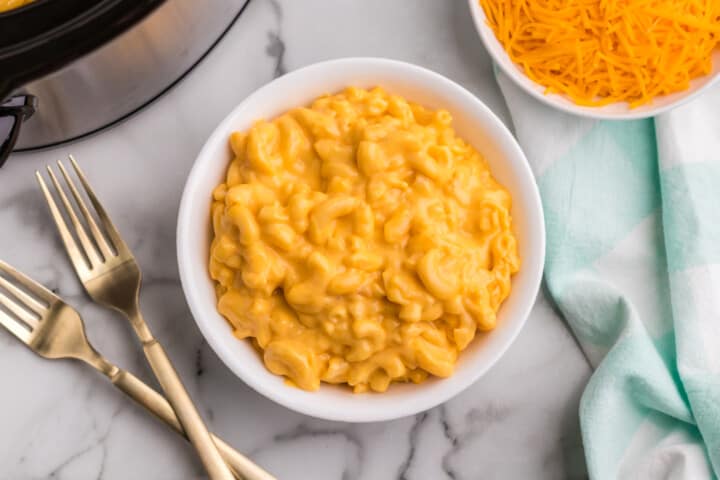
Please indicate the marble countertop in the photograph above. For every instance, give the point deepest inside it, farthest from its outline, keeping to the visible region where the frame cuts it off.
(61, 420)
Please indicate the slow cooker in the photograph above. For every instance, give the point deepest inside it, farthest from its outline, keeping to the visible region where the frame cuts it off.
(69, 68)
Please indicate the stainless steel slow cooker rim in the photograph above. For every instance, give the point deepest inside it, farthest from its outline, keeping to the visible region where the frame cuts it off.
(42, 38)
(156, 92)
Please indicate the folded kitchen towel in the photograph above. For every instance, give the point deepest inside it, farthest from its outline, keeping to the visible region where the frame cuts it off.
(633, 263)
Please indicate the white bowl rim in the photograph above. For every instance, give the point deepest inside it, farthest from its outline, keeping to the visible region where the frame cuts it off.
(321, 410)
(491, 44)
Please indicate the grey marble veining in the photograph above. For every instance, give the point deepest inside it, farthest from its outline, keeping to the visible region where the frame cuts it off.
(61, 420)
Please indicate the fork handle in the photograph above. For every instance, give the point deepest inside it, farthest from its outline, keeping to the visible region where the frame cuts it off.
(134, 388)
(186, 412)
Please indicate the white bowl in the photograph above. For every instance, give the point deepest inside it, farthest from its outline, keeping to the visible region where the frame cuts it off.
(613, 111)
(474, 122)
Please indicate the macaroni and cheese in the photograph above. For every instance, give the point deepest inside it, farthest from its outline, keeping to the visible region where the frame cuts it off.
(6, 5)
(359, 241)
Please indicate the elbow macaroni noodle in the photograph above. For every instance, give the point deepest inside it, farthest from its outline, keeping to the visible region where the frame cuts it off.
(360, 241)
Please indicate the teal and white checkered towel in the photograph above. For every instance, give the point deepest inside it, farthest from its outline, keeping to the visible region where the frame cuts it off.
(633, 263)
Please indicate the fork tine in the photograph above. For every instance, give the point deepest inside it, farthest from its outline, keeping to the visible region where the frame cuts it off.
(30, 285)
(76, 256)
(30, 302)
(112, 232)
(90, 251)
(19, 312)
(22, 333)
(97, 235)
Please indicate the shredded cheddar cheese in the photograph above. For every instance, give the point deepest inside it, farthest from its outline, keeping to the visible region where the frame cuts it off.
(604, 51)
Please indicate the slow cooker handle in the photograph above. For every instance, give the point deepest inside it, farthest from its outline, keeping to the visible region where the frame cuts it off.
(13, 112)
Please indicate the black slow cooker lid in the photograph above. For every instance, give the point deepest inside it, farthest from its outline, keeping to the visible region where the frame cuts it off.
(46, 35)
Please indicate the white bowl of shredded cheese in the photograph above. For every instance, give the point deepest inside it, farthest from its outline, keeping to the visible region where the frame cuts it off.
(475, 123)
(613, 111)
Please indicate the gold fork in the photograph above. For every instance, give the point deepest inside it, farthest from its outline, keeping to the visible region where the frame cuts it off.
(111, 276)
(53, 329)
